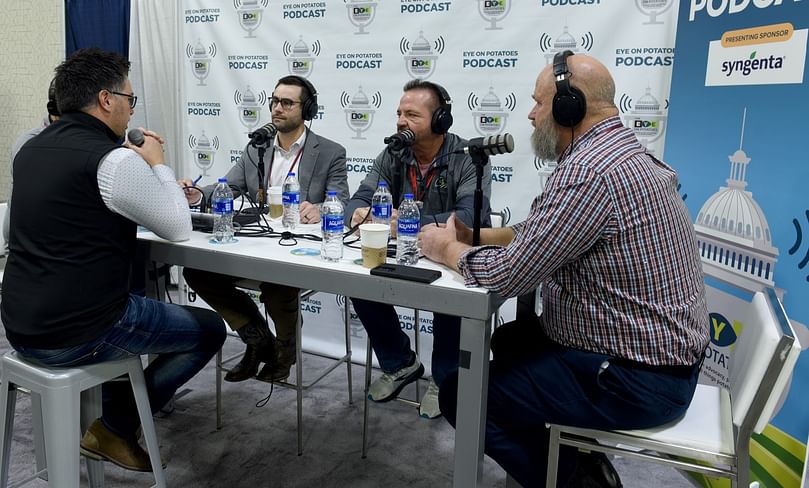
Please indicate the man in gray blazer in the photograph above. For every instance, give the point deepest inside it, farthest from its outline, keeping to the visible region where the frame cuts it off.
(320, 165)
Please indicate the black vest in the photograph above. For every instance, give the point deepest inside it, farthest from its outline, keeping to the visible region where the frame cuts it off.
(67, 275)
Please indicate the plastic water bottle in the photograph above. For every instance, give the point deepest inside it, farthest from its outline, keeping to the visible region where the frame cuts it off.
(222, 207)
(381, 205)
(331, 223)
(291, 194)
(407, 229)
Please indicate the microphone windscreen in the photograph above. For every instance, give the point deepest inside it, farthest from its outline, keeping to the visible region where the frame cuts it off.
(135, 137)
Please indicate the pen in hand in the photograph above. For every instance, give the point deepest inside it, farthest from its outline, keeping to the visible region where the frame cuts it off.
(196, 181)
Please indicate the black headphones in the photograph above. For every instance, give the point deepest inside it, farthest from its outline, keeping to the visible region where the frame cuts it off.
(569, 104)
(53, 108)
(309, 108)
(441, 120)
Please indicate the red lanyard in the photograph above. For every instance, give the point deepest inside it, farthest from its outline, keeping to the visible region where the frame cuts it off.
(414, 184)
(291, 168)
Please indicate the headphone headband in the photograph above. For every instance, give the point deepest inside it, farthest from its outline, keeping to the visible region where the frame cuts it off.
(309, 107)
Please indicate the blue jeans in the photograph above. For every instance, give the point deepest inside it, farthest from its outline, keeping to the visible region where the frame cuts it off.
(533, 380)
(183, 338)
(392, 345)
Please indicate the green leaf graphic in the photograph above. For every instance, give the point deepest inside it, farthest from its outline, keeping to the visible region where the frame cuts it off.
(753, 55)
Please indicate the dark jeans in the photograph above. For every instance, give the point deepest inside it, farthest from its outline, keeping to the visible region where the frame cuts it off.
(183, 338)
(533, 380)
(392, 345)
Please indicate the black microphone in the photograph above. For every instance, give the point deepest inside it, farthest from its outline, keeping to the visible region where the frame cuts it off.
(263, 135)
(135, 137)
(400, 140)
(489, 145)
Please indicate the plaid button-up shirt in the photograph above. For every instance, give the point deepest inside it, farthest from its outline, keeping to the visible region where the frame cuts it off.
(611, 241)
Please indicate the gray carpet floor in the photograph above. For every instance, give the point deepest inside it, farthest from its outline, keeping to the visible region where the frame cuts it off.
(257, 446)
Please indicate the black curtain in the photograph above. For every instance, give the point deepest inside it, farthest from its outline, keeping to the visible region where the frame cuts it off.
(97, 23)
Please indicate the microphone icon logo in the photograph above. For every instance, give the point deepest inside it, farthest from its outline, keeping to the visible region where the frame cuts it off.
(360, 110)
(200, 59)
(645, 117)
(204, 150)
(300, 57)
(249, 106)
(490, 114)
(494, 11)
(653, 8)
(250, 14)
(420, 57)
(361, 13)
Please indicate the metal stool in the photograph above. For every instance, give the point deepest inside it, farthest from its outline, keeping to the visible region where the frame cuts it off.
(55, 394)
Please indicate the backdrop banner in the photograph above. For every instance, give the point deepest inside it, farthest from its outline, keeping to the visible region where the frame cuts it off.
(742, 160)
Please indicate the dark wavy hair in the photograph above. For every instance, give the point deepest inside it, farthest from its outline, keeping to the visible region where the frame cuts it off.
(88, 71)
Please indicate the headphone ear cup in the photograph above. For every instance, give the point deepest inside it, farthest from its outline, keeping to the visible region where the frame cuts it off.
(52, 108)
(442, 120)
(569, 108)
(309, 108)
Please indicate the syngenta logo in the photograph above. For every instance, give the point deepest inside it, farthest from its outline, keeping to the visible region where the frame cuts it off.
(747, 66)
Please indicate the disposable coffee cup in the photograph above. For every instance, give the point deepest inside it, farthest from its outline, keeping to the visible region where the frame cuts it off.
(276, 202)
(374, 241)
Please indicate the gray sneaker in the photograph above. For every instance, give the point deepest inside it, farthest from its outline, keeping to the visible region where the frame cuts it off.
(388, 386)
(429, 408)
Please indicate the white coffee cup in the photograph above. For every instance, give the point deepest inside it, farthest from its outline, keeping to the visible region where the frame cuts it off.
(374, 241)
(276, 202)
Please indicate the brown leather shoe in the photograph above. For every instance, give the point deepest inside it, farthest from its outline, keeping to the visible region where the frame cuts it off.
(102, 445)
(284, 359)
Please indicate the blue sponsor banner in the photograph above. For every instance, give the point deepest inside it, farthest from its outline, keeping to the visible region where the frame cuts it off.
(737, 135)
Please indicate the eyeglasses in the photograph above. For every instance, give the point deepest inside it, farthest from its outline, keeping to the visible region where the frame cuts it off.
(285, 103)
(133, 100)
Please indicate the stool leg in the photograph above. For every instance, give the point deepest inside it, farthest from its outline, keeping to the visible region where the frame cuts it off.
(60, 420)
(39, 436)
(365, 400)
(417, 346)
(8, 401)
(299, 373)
(146, 421)
(347, 321)
(219, 389)
(91, 410)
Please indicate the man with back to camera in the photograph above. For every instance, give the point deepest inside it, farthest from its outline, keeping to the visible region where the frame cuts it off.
(624, 323)
(443, 182)
(77, 254)
(53, 116)
(320, 165)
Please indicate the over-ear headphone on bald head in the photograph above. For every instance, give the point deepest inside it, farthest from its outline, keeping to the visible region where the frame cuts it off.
(569, 104)
(53, 108)
(309, 107)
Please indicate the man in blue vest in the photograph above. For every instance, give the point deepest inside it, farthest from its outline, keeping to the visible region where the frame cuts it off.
(79, 196)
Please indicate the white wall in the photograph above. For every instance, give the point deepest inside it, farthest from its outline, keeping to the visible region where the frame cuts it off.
(33, 38)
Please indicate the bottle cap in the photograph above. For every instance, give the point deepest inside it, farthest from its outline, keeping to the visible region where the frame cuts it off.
(382, 183)
(223, 180)
(408, 196)
(331, 193)
(291, 173)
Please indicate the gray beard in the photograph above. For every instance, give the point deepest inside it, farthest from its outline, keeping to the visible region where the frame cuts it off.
(544, 141)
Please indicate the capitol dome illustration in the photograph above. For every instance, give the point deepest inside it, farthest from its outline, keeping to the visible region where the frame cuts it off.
(565, 41)
(647, 104)
(733, 235)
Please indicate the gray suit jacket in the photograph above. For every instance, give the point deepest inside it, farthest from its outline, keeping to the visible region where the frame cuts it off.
(322, 167)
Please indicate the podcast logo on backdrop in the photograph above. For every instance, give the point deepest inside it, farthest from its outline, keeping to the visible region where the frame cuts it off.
(423, 6)
(644, 56)
(301, 57)
(201, 15)
(303, 10)
(248, 62)
(645, 117)
(494, 11)
(490, 113)
(763, 55)
(360, 109)
(549, 46)
(361, 13)
(250, 13)
(204, 149)
(653, 8)
(421, 56)
(249, 106)
(200, 58)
